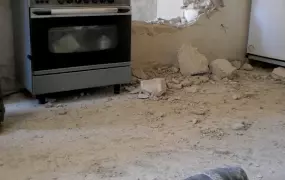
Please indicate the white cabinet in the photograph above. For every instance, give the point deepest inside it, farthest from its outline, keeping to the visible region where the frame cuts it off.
(266, 41)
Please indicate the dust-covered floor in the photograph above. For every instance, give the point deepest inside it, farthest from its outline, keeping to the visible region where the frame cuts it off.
(103, 136)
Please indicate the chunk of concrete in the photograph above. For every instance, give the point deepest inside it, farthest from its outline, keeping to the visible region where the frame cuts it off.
(192, 62)
(222, 68)
(245, 66)
(156, 87)
(279, 73)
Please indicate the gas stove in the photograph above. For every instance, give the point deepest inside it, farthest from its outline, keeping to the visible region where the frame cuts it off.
(61, 3)
(65, 45)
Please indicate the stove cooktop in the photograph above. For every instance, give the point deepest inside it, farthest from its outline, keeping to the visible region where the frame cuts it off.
(68, 3)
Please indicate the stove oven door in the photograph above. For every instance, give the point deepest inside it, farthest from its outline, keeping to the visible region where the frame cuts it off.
(75, 39)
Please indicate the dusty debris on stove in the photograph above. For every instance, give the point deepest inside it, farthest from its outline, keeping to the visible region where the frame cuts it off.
(192, 62)
(222, 68)
(156, 87)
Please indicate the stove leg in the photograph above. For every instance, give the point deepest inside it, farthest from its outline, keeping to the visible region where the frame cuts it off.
(117, 89)
(41, 99)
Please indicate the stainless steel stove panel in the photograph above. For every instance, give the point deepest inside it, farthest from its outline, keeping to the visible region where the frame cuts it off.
(83, 3)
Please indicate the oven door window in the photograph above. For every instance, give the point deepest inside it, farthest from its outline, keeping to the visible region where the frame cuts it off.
(80, 39)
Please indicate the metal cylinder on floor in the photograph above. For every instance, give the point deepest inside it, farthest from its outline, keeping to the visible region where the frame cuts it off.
(227, 173)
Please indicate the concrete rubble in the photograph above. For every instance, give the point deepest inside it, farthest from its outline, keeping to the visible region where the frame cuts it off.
(156, 87)
(245, 66)
(174, 86)
(222, 68)
(279, 73)
(139, 73)
(192, 62)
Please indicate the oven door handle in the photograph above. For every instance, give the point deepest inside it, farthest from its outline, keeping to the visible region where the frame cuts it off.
(72, 12)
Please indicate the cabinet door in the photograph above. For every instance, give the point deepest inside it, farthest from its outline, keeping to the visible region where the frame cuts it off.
(267, 29)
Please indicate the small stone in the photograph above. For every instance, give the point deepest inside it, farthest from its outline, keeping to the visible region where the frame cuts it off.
(247, 67)
(237, 96)
(175, 69)
(200, 112)
(62, 112)
(195, 121)
(222, 68)
(238, 126)
(48, 105)
(161, 114)
(176, 81)
(156, 87)
(174, 86)
(192, 89)
(279, 73)
(59, 105)
(186, 83)
(259, 176)
(143, 96)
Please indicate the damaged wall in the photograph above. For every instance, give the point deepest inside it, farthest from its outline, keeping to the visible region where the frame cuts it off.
(224, 35)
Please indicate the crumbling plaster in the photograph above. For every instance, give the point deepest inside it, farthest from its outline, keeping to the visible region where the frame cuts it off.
(223, 35)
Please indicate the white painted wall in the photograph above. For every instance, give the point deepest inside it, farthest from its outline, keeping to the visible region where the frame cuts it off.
(168, 9)
(144, 10)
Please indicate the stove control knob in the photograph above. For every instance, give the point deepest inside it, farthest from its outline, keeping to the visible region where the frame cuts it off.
(61, 1)
(111, 1)
(86, 1)
(78, 1)
(94, 1)
(69, 1)
(102, 1)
